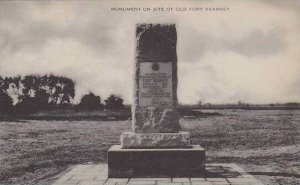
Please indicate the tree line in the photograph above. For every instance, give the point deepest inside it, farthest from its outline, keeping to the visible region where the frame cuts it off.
(33, 93)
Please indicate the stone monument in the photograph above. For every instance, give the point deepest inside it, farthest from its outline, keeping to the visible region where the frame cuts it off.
(156, 147)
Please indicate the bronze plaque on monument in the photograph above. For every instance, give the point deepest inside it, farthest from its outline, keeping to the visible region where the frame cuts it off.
(155, 84)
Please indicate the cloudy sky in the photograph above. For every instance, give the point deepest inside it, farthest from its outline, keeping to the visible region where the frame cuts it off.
(250, 53)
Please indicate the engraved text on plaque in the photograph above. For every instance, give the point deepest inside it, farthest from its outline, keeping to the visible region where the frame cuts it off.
(155, 84)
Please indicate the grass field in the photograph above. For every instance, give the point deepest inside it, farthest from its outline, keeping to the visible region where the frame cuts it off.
(264, 142)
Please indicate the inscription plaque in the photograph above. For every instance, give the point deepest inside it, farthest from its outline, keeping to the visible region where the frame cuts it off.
(155, 84)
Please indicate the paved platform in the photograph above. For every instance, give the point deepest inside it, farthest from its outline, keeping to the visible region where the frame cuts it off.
(217, 174)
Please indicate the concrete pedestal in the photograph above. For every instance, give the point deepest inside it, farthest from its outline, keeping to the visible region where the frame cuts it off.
(149, 163)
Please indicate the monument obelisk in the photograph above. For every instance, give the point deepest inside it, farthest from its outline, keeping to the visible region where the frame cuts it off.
(156, 147)
(155, 119)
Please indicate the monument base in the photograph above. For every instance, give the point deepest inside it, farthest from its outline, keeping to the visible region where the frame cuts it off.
(155, 140)
(155, 163)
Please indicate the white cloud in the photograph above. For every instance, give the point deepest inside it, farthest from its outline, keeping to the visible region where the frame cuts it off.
(250, 53)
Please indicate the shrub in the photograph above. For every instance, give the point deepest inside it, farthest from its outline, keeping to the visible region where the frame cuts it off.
(114, 102)
(90, 102)
(6, 103)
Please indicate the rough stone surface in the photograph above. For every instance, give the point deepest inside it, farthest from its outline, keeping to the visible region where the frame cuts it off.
(142, 163)
(155, 110)
(155, 140)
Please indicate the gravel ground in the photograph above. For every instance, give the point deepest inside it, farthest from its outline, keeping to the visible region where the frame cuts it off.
(265, 143)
